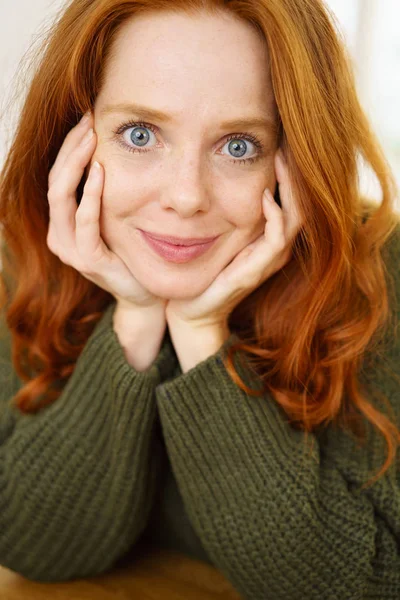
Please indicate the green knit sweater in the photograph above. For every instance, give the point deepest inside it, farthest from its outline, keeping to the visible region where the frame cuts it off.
(191, 462)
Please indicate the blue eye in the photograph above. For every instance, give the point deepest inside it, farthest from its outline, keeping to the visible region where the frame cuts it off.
(139, 137)
(236, 144)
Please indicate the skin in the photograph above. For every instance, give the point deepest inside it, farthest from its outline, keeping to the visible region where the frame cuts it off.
(186, 180)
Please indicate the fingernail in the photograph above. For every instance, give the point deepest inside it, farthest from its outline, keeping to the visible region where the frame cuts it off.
(86, 117)
(281, 158)
(87, 137)
(268, 196)
(94, 170)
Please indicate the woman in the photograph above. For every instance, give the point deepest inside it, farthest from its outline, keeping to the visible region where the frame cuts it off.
(126, 415)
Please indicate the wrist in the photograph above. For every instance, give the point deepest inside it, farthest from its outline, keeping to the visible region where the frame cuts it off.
(140, 332)
(194, 345)
(138, 317)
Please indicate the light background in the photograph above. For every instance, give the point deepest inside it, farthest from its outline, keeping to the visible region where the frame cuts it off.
(370, 28)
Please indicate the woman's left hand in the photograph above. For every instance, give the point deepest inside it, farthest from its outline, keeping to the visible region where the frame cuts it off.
(250, 268)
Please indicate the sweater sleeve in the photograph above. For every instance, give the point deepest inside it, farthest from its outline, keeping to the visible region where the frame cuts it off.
(278, 519)
(77, 479)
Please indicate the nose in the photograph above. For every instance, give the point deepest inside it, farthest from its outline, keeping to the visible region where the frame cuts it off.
(186, 190)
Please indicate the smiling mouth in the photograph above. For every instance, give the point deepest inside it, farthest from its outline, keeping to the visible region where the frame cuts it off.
(176, 241)
(175, 253)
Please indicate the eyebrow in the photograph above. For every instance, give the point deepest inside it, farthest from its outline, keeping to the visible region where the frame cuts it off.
(143, 112)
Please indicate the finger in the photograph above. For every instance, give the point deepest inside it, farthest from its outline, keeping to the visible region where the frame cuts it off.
(62, 194)
(288, 200)
(275, 220)
(89, 244)
(70, 142)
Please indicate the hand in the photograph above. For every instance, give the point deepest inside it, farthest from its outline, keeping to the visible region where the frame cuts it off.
(250, 268)
(74, 232)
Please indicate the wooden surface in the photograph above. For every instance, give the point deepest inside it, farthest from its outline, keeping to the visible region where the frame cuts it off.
(155, 575)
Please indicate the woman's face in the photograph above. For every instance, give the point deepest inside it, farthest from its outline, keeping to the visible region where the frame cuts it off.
(182, 175)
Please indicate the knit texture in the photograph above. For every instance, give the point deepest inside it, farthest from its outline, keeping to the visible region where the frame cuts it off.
(191, 462)
(77, 479)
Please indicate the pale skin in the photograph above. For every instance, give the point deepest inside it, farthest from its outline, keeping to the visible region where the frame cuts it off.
(184, 181)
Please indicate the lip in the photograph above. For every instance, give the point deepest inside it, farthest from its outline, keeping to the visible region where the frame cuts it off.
(174, 253)
(176, 241)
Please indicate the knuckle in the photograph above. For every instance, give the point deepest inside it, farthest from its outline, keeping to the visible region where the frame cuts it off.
(71, 133)
(89, 190)
(53, 194)
(53, 248)
(69, 138)
(51, 238)
(248, 281)
(87, 270)
(51, 242)
(85, 144)
(75, 162)
(280, 244)
(63, 256)
(83, 217)
(283, 246)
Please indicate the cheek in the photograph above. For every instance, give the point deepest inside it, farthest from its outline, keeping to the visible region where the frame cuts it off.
(244, 209)
(242, 199)
(125, 188)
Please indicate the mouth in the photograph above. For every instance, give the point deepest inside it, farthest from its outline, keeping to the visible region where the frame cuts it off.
(175, 252)
(176, 241)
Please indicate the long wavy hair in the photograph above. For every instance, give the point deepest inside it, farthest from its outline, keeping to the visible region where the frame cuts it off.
(336, 285)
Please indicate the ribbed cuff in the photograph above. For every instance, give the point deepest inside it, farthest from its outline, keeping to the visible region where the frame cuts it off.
(162, 367)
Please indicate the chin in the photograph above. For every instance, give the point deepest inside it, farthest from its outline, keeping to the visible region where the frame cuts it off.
(174, 291)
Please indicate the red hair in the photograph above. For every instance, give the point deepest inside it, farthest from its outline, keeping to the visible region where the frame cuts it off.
(336, 285)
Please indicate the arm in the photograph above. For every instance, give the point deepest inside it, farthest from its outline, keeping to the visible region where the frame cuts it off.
(140, 332)
(277, 522)
(77, 479)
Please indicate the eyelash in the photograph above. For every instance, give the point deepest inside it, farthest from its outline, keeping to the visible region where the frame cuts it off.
(254, 140)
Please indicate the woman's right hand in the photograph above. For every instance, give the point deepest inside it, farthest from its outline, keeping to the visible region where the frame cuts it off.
(74, 231)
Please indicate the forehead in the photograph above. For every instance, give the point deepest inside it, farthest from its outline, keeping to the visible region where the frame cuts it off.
(205, 63)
